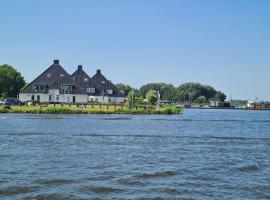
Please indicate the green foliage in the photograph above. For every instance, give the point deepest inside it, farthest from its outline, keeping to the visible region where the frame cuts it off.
(132, 98)
(220, 96)
(3, 109)
(66, 109)
(125, 88)
(25, 109)
(196, 91)
(151, 96)
(11, 81)
(201, 100)
(167, 91)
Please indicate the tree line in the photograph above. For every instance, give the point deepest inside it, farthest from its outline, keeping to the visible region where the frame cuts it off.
(192, 92)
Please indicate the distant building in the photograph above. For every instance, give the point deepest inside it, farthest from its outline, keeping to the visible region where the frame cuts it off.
(56, 85)
(257, 104)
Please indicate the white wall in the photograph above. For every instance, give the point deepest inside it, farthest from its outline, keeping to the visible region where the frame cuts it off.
(68, 98)
(25, 97)
(63, 98)
(106, 99)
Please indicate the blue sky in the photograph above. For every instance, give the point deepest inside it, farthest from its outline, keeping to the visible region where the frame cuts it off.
(222, 43)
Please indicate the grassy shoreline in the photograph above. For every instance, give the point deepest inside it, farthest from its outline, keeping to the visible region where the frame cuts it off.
(90, 109)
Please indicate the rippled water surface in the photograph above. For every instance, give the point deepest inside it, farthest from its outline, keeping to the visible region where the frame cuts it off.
(200, 154)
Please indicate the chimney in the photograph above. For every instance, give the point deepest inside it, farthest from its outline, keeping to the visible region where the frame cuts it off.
(79, 68)
(98, 71)
(56, 62)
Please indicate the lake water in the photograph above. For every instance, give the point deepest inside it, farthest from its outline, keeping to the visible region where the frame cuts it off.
(200, 154)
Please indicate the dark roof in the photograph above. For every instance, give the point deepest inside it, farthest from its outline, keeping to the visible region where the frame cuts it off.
(53, 78)
(81, 78)
(100, 82)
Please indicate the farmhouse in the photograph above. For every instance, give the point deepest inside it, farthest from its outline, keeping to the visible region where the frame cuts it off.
(56, 85)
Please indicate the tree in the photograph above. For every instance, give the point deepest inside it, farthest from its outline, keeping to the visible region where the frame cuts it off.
(123, 87)
(11, 81)
(201, 100)
(131, 98)
(220, 96)
(195, 92)
(151, 96)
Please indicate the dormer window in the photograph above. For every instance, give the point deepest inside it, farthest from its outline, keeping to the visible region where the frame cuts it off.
(109, 91)
(66, 89)
(40, 88)
(91, 90)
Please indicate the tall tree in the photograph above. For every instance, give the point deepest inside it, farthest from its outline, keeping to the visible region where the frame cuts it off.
(131, 98)
(151, 96)
(125, 88)
(11, 81)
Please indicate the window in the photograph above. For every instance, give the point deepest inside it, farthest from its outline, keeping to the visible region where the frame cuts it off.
(40, 88)
(110, 91)
(49, 75)
(38, 98)
(50, 97)
(57, 97)
(85, 79)
(66, 89)
(68, 99)
(33, 97)
(90, 90)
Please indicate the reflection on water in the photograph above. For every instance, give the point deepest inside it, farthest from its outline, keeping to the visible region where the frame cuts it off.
(200, 154)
